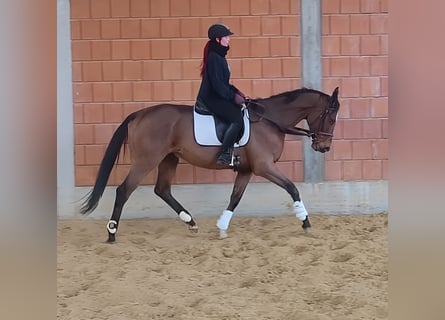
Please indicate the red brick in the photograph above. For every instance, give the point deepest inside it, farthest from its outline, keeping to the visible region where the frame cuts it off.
(384, 86)
(112, 70)
(271, 25)
(280, 7)
(340, 66)
(379, 65)
(139, 8)
(330, 6)
(122, 91)
(224, 176)
(82, 92)
(295, 7)
(94, 154)
(191, 69)
(338, 130)
(159, 8)
(286, 167)
(83, 134)
(369, 45)
(78, 112)
(180, 48)
(100, 9)
(259, 7)
(271, 68)
(291, 67)
(162, 91)
(102, 92)
(352, 129)
(339, 24)
(261, 88)
(294, 43)
(93, 113)
(197, 48)
(330, 45)
(189, 27)
(352, 170)
(279, 47)
(111, 29)
(160, 49)
(235, 68)
(120, 8)
(360, 108)
(333, 170)
(372, 128)
(103, 133)
(113, 113)
(379, 24)
(293, 150)
(250, 26)
(170, 28)
(92, 71)
(325, 25)
(281, 85)
(75, 30)
(361, 149)
(131, 28)
(90, 29)
(184, 173)
(85, 175)
(360, 24)
(384, 6)
(349, 6)
(379, 149)
(171, 70)
(80, 50)
(290, 26)
(360, 66)
(350, 45)
(79, 155)
(251, 68)
(372, 169)
(80, 9)
(199, 8)
(370, 86)
(260, 47)
(179, 8)
(238, 7)
(150, 28)
(204, 175)
(132, 70)
(344, 111)
(342, 149)
(76, 71)
(240, 47)
(369, 6)
(379, 107)
(142, 91)
(385, 128)
(385, 170)
(219, 8)
(182, 90)
(350, 87)
(140, 49)
(101, 50)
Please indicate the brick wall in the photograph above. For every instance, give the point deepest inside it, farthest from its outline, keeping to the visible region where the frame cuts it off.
(355, 57)
(129, 54)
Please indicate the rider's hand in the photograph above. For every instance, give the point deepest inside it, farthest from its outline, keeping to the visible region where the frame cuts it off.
(239, 99)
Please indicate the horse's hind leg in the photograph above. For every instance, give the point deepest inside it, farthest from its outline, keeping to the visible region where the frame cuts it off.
(166, 173)
(123, 192)
(241, 181)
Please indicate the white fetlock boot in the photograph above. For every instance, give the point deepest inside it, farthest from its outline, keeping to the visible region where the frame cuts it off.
(300, 210)
(223, 223)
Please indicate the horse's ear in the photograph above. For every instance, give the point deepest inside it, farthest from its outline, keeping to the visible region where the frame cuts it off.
(335, 94)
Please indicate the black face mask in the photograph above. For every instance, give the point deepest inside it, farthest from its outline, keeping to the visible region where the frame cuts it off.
(218, 48)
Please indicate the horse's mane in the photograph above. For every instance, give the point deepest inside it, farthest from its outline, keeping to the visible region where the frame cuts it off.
(290, 96)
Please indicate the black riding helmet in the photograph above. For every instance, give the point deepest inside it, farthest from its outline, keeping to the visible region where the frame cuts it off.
(218, 31)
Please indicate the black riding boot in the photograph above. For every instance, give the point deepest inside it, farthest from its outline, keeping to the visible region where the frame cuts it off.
(224, 156)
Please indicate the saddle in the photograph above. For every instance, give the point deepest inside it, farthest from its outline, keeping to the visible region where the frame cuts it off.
(209, 130)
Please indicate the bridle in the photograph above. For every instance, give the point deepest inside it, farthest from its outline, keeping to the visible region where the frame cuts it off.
(295, 130)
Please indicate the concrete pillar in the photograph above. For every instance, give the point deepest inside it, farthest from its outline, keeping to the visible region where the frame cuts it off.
(65, 122)
(311, 77)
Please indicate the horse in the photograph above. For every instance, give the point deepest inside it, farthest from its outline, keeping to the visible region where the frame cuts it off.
(159, 135)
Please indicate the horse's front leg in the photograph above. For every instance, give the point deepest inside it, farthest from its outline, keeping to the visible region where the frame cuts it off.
(241, 181)
(271, 173)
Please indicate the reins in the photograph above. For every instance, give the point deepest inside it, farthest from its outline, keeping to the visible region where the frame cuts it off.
(294, 130)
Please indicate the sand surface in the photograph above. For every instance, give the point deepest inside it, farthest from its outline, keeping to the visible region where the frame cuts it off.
(268, 268)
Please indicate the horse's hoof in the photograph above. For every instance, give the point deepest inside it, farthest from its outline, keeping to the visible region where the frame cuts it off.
(111, 238)
(193, 229)
(223, 234)
(306, 224)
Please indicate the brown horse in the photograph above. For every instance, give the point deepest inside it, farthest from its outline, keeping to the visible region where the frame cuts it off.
(158, 136)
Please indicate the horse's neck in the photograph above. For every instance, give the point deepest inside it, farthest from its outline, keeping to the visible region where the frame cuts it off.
(287, 114)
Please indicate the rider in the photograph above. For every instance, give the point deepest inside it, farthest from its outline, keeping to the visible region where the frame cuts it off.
(222, 98)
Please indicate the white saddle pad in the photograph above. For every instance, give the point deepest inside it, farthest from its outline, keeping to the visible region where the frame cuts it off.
(205, 132)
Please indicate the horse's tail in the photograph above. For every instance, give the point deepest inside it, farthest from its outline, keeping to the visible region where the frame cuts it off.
(111, 154)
